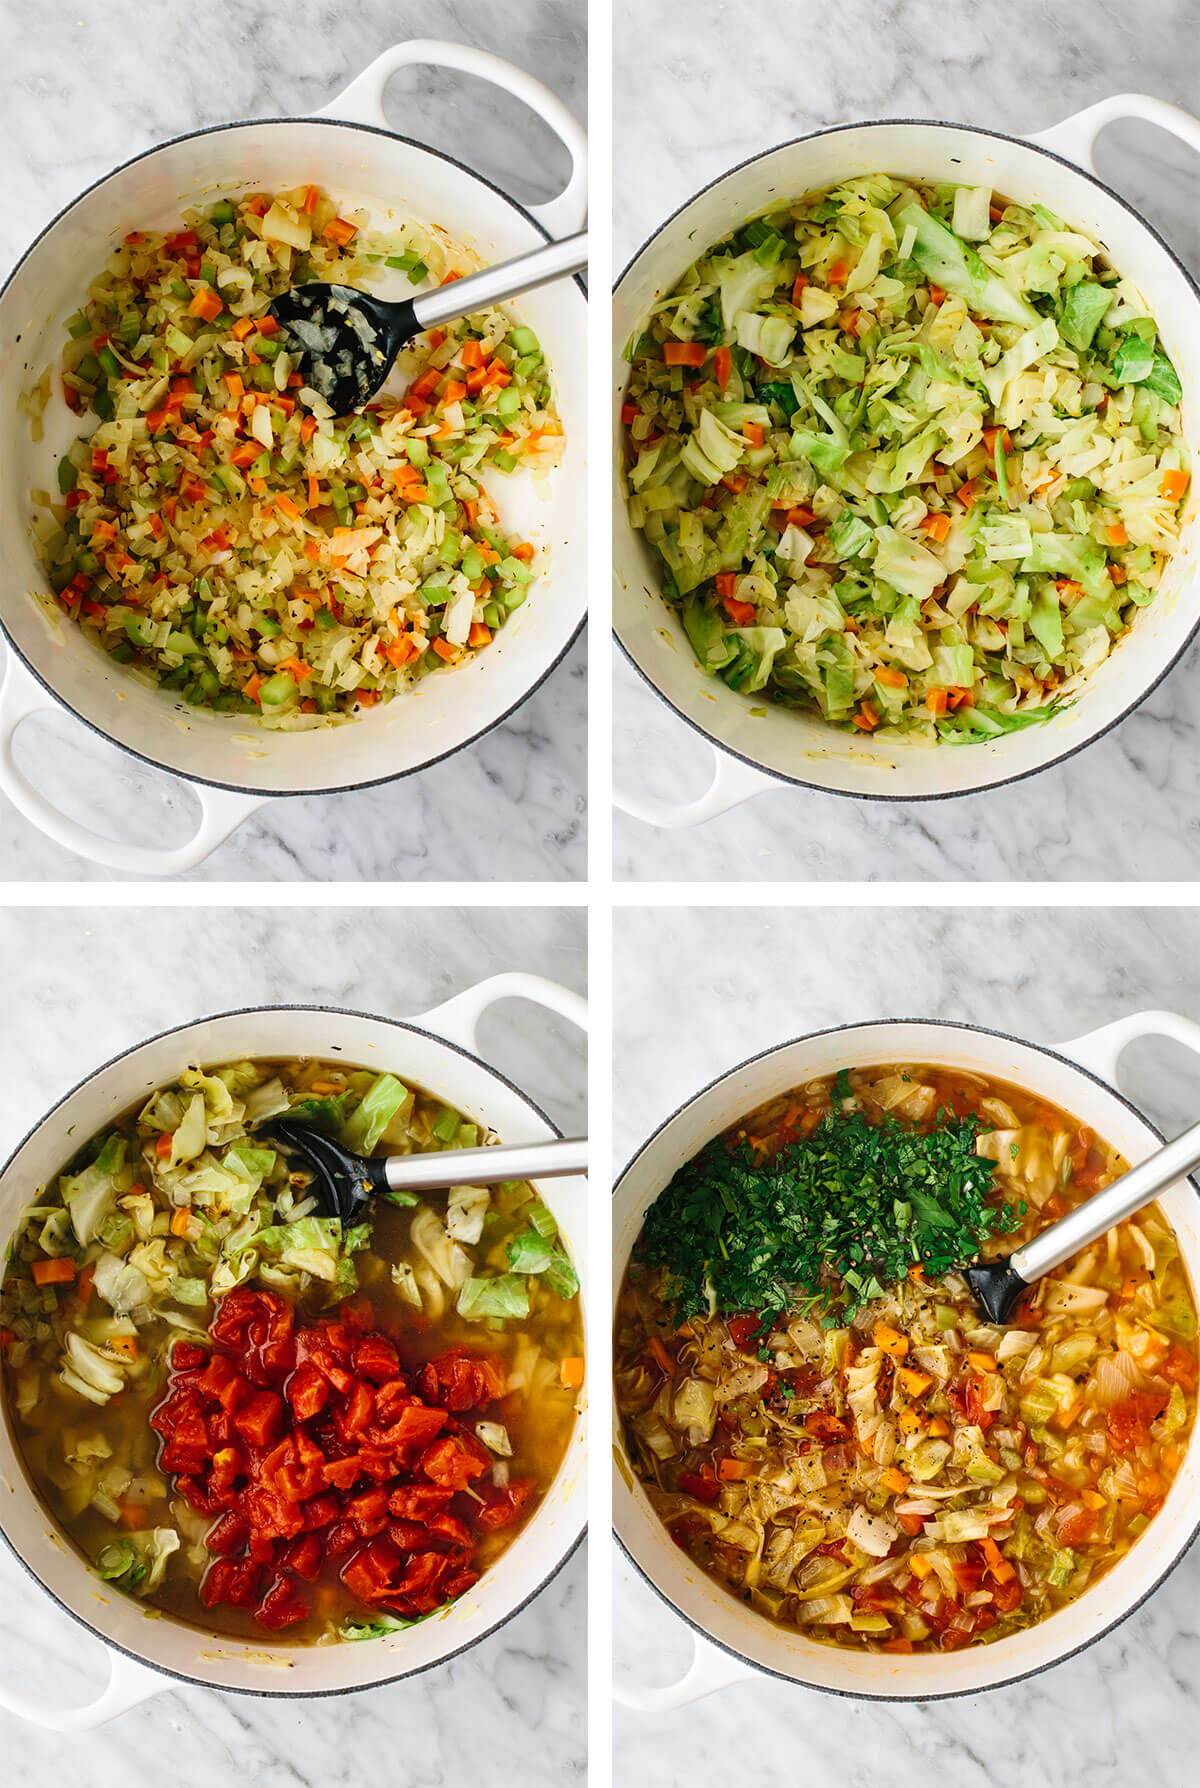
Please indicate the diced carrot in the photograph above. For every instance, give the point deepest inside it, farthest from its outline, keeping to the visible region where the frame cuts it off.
(400, 652)
(1118, 574)
(982, 1362)
(731, 1471)
(753, 432)
(242, 328)
(722, 366)
(295, 668)
(936, 524)
(53, 1272)
(340, 231)
(799, 518)
(939, 1427)
(990, 434)
(893, 678)
(83, 1290)
(967, 493)
(999, 1566)
(850, 321)
(570, 1373)
(937, 294)
(480, 634)
(287, 506)
(132, 1514)
(914, 1382)
(920, 1566)
(660, 1356)
(251, 687)
(471, 353)
(125, 1345)
(164, 1144)
(445, 650)
(267, 325)
(234, 385)
(890, 1340)
(454, 392)
(866, 718)
(1174, 485)
(798, 285)
(308, 428)
(309, 202)
(742, 614)
(181, 1221)
(205, 304)
(684, 353)
(523, 551)
(894, 1480)
(1117, 534)
(839, 273)
(726, 583)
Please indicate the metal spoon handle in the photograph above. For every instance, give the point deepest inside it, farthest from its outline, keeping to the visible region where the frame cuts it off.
(1097, 1215)
(508, 279)
(487, 1166)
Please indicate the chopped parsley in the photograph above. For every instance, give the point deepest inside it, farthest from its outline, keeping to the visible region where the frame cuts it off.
(828, 1222)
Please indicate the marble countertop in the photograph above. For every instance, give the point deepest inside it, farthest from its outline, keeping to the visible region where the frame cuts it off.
(798, 67)
(512, 1710)
(509, 807)
(1124, 1708)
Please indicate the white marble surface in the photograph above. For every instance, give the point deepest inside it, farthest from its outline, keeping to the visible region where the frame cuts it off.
(729, 80)
(699, 991)
(92, 84)
(510, 1712)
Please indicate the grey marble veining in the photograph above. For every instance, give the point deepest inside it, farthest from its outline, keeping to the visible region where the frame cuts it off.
(699, 991)
(87, 985)
(728, 80)
(88, 86)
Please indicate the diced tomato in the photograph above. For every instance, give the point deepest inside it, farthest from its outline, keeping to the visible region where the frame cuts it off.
(459, 1380)
(375, 1358)
(307, 1392)
(454, 1461)
(1128, 1422)
(260, 1418)
(742, 1329)
(185, 1355)
(281, 1606)
(704, 1488)
(1079, 1528)
(418, 1502)
(500, 1508)
(825, 1426)
(1180, 1366)
(228, 1535)
(1008, 1596)
(303, 1557)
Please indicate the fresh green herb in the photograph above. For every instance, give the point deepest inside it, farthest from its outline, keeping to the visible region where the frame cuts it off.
(836, 1217)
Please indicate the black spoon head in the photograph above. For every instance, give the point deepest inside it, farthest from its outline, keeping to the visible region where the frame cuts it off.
(995, 1286)
(343, 341)
(343, 1183)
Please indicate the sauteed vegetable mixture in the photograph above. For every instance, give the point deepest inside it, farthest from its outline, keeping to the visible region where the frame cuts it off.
(257, 1419)
(221, 531)
(910, 455)
(821, 1418)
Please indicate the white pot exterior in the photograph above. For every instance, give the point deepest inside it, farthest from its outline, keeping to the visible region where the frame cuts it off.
(699, 1599)
(461, 1080)
(798, 747)
(364, 167)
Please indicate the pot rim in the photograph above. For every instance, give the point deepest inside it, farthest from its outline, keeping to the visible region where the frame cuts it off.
(1001, 1682)
(154, 763)
(953, 794)
(280, 1694)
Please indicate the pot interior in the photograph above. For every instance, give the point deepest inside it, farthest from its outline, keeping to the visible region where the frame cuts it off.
(393, 180)
(798, 746)
(538, 1550)
(698, 1598)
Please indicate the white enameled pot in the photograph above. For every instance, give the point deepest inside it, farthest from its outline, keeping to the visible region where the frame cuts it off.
(234, 767)
(732, 1643)
(755, 750)
(438, 1052)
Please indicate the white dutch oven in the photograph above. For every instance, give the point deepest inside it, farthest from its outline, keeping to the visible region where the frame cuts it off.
(349, 149)
(760, 751)
(437, 1051)
(732, 1643)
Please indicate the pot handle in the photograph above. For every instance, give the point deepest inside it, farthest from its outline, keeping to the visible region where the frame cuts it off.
(362, 103)
(221, 811)
(1101, 1050)
(129, 1684)
(1075, 137)
(710, 1669)
(457, 1019)
(732, 783)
